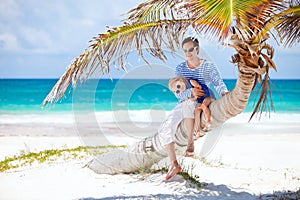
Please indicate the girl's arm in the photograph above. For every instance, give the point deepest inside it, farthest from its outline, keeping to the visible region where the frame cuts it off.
(186, 94)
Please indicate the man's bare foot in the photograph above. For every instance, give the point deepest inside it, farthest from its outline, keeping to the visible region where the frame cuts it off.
(173, 170)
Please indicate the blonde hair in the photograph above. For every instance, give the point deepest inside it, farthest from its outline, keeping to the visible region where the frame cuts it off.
(175, 79)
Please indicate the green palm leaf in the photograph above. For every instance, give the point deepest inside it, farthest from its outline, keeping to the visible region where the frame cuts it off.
(215, 17)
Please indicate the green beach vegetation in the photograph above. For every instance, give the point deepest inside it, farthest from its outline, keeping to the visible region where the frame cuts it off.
(52, 155)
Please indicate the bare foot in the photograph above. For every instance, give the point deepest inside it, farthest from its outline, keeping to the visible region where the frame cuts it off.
(198, 135)
(189, 154)
(207, 126)
(173, 170)
(189, 151)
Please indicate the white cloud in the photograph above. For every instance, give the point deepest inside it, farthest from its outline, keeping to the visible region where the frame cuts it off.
(8, 42)
(37, 40)
(58, 26)
(9, 9)
(288, 50)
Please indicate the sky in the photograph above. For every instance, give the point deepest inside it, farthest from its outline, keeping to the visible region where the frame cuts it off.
(39, 39)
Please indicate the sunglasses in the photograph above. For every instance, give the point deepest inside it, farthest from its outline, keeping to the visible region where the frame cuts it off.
(178, 86)
(189, 50)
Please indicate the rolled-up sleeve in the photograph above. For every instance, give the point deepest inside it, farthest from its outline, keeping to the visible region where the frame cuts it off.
(217, 80)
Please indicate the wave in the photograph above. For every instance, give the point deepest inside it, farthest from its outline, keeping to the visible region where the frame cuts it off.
(142, 116)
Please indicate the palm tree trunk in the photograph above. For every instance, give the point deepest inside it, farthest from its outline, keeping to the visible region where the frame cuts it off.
(235, 101)
(148, 151)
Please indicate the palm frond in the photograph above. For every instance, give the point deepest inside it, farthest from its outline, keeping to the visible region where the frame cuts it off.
(286, 24)
(115, 45)
(257, 16)
(215, 17)
(211, 17)
(153, 10)
(264, 102)
(256, 59)
(289, 26)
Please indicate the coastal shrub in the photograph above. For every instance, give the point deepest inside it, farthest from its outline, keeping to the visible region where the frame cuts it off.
(53, 155)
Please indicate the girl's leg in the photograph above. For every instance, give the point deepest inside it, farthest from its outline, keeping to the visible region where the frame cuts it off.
(189, 123)
(207, 113)
(198, 121)
(174, 167)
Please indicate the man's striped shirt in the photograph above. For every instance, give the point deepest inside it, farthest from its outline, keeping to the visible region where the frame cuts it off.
(207, 74)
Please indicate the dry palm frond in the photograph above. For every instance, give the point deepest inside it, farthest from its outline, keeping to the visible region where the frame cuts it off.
(286, 24)
(256, 58)
(258, 16)
(289, 26)
(116, 44)
(264, 102)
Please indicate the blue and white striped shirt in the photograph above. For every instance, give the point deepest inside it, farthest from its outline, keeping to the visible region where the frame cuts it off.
(207, 74)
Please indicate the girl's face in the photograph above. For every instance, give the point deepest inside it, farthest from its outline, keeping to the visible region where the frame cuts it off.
(190, 50)
(178, 87)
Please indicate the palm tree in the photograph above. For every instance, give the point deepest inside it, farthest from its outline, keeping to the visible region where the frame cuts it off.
(154, 25)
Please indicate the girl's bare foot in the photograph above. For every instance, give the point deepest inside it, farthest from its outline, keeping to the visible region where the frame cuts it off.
(198, 135)
(207, 126)
(189, 151)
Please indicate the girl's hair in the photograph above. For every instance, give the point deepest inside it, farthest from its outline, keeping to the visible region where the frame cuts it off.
(175, 79)
(190, 39)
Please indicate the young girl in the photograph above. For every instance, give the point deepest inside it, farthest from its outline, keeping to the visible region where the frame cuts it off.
(179, 84)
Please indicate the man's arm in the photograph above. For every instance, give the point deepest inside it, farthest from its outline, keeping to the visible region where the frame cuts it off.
(217, 80)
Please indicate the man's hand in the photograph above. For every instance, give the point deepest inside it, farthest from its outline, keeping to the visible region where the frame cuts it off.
(198, 92)
(223, 94)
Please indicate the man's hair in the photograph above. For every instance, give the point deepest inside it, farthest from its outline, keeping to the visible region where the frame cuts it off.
(190, 39)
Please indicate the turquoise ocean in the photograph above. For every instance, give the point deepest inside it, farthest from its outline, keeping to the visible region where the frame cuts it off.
(25, 96)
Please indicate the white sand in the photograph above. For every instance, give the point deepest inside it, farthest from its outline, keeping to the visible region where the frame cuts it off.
(248, 160)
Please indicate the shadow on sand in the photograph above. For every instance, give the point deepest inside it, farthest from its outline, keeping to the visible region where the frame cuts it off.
(209, 192)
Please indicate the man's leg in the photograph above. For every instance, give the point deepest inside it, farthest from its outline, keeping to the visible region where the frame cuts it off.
(174, 167)
(171, 152)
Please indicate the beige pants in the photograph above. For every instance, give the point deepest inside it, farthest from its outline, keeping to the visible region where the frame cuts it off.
(183, 110)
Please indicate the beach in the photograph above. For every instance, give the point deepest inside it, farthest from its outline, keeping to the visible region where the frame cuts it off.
(238, 160)
(252, 160)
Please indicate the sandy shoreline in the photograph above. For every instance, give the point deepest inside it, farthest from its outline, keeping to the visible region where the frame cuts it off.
(247, 160)
(239, 167)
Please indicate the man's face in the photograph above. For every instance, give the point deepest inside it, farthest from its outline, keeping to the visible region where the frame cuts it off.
(190, 50)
